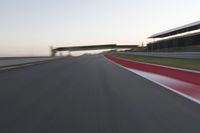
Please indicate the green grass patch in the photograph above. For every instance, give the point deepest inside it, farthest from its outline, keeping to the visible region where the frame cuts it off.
(192, 64)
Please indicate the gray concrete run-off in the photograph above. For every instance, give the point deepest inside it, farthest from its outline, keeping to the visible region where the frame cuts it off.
(187, 55)
(22, 60)
(89, 94)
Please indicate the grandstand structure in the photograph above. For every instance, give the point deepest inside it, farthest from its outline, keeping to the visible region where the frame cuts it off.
(181, 37)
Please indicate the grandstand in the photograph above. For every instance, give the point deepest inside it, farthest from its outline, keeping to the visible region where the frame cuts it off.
(186, 38)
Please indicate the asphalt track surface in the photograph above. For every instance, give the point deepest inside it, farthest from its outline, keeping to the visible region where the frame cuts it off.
(89, 94)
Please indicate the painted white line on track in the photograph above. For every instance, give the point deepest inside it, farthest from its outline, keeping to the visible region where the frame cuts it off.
(170, 67)
(149, 76)
(156, 79)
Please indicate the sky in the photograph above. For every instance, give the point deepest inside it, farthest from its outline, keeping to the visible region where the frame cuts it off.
(30, 27)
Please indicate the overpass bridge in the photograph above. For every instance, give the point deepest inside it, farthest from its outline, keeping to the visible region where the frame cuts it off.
(91, 47)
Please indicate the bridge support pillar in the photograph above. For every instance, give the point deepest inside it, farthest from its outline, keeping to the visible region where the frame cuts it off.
(53, 51)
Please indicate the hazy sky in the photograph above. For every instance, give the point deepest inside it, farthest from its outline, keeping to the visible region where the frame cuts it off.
(29, 27)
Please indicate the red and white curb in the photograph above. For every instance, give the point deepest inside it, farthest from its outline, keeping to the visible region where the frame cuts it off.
(186, 89)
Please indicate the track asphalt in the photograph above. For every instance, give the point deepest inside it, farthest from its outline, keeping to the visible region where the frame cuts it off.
(89, 94)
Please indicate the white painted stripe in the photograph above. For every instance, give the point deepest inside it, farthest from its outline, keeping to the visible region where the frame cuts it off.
(182, 69)
(178, 92)
(169, 88)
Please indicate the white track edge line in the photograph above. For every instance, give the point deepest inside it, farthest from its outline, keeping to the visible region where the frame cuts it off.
(169, 88)
(170, 67)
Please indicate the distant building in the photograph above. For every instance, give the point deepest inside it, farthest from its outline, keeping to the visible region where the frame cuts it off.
(187, 36)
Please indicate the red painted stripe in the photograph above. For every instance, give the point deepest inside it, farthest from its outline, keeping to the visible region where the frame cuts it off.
(187, 76)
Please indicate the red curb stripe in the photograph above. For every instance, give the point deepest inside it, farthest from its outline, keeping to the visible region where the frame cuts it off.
(187, 76)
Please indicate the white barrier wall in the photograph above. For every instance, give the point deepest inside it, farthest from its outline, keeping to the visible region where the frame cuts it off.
(17, 61)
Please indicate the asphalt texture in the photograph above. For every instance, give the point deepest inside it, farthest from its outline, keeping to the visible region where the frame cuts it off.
(89, 94)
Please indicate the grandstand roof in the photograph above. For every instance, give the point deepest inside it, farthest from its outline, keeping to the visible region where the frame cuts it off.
(176, 37)
(178, 30)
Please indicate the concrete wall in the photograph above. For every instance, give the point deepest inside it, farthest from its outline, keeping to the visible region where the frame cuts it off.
(10, 61)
